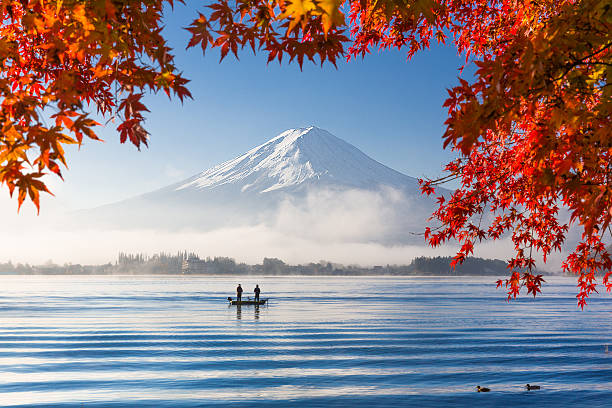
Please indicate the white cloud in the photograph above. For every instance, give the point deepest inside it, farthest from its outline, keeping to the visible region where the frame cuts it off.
(342, 216)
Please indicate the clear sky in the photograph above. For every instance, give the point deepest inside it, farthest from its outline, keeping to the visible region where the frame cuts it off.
(387, 106)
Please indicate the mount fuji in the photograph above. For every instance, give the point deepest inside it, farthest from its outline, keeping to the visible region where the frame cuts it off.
(298, 159)
(304, 173)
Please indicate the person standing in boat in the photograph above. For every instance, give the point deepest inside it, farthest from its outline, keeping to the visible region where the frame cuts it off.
(239, 293)
(257, 291)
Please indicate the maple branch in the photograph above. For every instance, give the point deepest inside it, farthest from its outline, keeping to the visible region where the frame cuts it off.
(583, 59)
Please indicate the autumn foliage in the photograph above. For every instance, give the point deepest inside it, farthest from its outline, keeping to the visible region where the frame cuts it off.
(60, 60)
(532, 129)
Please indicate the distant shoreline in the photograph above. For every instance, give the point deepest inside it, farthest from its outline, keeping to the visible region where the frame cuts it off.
(237, 275)
(183, 264)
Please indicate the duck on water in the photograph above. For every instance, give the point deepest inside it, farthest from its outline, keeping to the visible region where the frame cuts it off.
(528, 386)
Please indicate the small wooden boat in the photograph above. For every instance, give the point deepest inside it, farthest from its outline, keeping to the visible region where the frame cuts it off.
(244, 302)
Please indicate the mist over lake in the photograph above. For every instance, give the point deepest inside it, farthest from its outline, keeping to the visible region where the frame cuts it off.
(169, 341)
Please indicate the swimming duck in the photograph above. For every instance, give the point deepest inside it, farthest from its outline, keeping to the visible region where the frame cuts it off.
(532, 387)
(482, 389)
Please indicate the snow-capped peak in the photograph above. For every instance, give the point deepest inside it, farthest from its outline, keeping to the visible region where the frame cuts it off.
(294, 157)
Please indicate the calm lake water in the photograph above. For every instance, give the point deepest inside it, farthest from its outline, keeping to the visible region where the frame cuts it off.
(162, 341)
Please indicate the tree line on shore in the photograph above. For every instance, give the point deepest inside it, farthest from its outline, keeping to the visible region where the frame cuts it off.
(190, 263)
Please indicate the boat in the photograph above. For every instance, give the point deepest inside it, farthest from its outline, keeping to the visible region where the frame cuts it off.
(248, 301)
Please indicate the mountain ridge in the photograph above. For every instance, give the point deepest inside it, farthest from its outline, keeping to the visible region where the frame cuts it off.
(302, 179)
(297, 156)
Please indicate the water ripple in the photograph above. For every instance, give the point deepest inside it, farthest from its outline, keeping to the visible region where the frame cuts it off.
(164, 341)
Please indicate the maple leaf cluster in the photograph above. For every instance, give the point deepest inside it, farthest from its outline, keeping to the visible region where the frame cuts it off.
(61, 59)
(534, 135)
(532, 130)
(298, 29)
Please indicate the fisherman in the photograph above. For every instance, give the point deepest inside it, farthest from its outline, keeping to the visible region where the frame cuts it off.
(257, 290)
(239, 293)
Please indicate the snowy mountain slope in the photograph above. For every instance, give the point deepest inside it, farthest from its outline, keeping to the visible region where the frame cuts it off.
(295, 157)
(301, 174)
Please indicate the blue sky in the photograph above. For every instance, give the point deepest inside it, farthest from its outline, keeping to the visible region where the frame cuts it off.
(387, 106)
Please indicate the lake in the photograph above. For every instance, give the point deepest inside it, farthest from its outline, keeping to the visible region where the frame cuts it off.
(173, 341)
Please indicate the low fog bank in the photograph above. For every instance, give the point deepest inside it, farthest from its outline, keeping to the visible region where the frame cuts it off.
(248, 244)
(352, 227)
